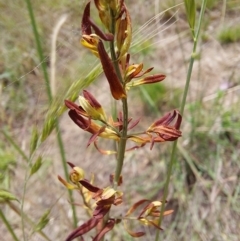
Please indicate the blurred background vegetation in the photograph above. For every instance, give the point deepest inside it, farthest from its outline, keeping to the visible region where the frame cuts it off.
(205, 187)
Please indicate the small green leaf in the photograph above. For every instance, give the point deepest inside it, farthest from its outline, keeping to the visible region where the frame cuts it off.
(191, 13)
(34, 140)
(7, 196)
(36, 165)
(43, 221)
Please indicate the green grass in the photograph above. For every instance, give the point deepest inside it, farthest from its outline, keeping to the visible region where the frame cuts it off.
(229, 34)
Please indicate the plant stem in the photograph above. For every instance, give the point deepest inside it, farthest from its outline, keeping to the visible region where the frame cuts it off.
(8, 225)
(174, 148)
(122, 143)
(49, 93)
(16, 210)
(64, 164)
(15, 145)
(39, 47)
(123, 138)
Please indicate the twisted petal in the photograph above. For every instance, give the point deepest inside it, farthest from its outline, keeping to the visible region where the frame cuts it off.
(72, 106)
(86, 27)
(124, 32)
(108, 227)
(148, 80)
(167, 127)
(92, 106)
(91, 42)
(84, 228)
(115, 86)
(84, 124)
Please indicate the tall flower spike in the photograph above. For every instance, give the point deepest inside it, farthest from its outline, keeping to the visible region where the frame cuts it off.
(115, 86)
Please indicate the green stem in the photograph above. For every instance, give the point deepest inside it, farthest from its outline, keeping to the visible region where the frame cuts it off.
(39, 47)
(64, 164)
(123, 138)
(122, 143)
(174, 148)
(15, 145)
(49, 93)
(17, 211)
(8, 225)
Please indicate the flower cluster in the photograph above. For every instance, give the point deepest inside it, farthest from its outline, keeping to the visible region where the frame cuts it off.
(98, 201)
(90, 116)
(90, 111)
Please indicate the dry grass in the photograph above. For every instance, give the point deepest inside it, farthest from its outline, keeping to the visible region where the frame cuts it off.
(204, 187)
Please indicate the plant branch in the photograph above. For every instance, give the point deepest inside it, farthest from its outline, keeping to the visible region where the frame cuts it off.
(17, 211)
(49, 93)
(15, 145)
(174, 148)
(8, 225)
(123, 138)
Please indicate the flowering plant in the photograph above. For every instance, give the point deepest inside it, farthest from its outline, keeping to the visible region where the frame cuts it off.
(90, 116)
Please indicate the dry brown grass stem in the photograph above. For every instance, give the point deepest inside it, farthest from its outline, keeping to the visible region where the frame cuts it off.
(53, 55)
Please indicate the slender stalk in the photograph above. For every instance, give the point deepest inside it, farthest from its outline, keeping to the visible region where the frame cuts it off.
(17, 211)
(49, 93)
(39, 47)
(15, 145)
(8, 225)
(174, 148)
(122, 143)
(64, 164)
(123, 138)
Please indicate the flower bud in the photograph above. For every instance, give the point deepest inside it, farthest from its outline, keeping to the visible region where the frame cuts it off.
(116, 87)
(76, 174)
(124, 33)
(92, 106)
(91, 42)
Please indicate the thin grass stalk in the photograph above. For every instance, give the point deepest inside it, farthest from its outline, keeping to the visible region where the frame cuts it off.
(183, 102)
(8, 225)
(49, 93)
(29, 221)
(19, 150)
(15, 145)
(39, 47)
(53, 58)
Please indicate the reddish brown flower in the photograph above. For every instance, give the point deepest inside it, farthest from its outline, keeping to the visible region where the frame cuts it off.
(164, 129)
(167, 127)
(123, 32)
(115, 86)
(82, 116)
(104, 198)
(148, 216)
